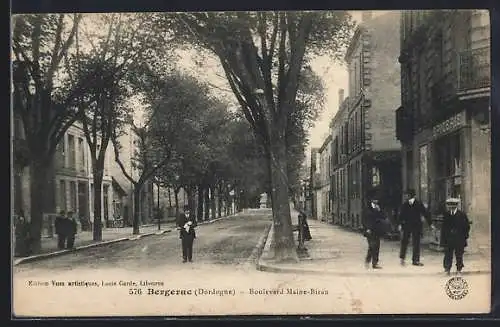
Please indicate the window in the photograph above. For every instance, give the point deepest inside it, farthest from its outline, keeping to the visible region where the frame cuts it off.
(72, 192)
(61, 153)
(375, 176)
(346, 136)
(81, 150)
(423, 187)
(409, 169)
(355, 180)
(356, 130)
(71, 151)
(448, 168)
(422, 92)
(62, 195)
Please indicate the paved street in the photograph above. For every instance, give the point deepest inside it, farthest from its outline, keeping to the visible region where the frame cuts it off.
(228, 241)
(222, 279)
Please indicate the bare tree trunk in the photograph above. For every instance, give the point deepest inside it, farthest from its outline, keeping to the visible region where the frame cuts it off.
(219, 197)
(137, 206)
(39, 188)
(169, 198)
(207, 203)
(283, 245)
(199, 213)
(176, 192)
(98, 176)
(212, 201)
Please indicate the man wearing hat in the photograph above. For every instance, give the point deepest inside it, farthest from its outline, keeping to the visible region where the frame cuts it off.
(410, 224)
(375, 226)
(186, 226)
(454, 234)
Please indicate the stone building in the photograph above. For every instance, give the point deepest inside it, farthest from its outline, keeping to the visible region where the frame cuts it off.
(339, 159)
(314, 182)
(74, 186)
(443, 123)
(70, 176)
(365, 152)
(323, 181)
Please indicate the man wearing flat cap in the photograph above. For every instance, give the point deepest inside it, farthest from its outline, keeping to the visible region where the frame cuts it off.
(454, 234)
(410, 224)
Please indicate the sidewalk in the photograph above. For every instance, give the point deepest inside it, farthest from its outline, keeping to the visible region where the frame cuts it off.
(335, 250)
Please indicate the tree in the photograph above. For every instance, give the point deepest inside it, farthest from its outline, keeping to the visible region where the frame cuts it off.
(172, 107)
(42, 98)
(126, 41)
(262, 55)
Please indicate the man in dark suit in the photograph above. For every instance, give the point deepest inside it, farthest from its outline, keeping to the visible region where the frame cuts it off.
(61, 227)
(186, 226)
(374, 223)
(411, 225)
(454, 234)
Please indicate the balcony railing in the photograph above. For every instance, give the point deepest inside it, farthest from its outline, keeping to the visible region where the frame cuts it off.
(474, 69)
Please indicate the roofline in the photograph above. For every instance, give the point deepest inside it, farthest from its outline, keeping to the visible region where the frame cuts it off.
(353, 43)
(325, 142)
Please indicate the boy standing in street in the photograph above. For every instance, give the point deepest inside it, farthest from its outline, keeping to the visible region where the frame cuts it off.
(454, 235)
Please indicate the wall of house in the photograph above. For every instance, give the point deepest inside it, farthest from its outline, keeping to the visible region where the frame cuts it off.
(480, 205)
(384, 91)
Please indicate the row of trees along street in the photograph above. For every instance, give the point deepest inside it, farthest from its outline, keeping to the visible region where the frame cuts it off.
(99, 69)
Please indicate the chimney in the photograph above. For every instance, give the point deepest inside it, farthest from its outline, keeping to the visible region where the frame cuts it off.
(366, 15)
(341, 97)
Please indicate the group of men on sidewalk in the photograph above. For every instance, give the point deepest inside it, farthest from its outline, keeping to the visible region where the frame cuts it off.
(454, 231)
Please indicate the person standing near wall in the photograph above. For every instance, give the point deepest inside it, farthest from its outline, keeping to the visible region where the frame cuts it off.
(454, 234)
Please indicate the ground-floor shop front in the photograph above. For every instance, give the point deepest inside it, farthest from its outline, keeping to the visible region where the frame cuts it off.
(453, 159)
(367, 175)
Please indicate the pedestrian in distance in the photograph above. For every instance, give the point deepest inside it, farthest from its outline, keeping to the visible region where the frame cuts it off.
(411, 226)
(454, 234)
(187, 233)
(72, 231)
(61, 228)
(375, 226)
(305, 225)
(22, 235)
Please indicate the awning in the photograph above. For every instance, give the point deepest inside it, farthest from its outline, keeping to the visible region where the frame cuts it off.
(118, 188)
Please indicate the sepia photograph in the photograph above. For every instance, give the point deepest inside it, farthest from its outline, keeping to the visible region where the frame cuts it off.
(243, 163)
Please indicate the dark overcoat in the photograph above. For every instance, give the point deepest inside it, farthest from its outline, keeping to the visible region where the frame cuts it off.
(455, 229)
(410, 216)
(375, 221)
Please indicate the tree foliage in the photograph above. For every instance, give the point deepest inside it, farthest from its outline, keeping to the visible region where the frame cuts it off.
(264, 56)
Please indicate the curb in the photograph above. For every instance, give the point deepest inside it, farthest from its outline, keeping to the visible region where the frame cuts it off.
(61, 252)
(265, 266)
(259, 247)
(39, 257)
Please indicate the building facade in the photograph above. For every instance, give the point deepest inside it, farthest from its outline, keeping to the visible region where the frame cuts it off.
(70, 176)
(314, 182)
(365, 151)
(323, 181)
(339, 159)
(443, 123)
(123, 201)
(74, 182)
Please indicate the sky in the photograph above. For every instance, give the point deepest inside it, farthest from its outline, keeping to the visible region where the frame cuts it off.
(334, 75)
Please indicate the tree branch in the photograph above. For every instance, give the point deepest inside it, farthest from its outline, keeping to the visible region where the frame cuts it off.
(116, 148)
